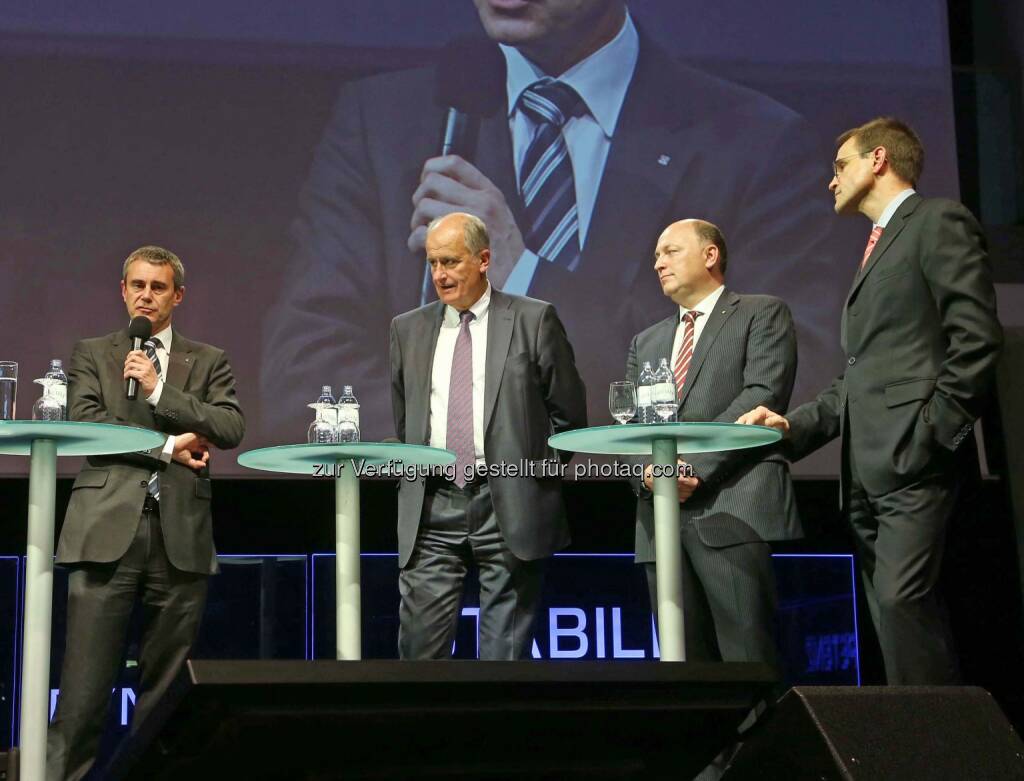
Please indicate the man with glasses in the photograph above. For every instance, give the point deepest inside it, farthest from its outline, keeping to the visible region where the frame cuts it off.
(921, 338)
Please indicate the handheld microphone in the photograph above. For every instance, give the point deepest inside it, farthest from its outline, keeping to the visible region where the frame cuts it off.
(139, 330)
(469, 83)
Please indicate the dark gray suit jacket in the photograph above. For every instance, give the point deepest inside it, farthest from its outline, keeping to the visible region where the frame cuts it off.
(686, 144)
(746, 356)
(921, 337)
(531, 391)
(107, 497)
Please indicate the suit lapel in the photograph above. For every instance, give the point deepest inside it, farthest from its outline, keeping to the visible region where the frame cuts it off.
(180, 360)
(661, 343)
(422, 346)
(500, 323)
(117, 351)
(494, 157)
(646, 164)
(724, 308)
(889, 234)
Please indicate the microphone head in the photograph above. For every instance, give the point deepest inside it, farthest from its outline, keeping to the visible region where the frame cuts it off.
(140, 328)
(470, 76)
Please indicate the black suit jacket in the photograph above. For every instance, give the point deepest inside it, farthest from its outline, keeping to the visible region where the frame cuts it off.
(921, 337)
(686, 145)
(106, 500)
(531, 391)
(746, 356)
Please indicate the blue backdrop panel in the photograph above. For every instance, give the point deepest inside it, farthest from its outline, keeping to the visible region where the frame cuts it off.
(596, 607)
(257, 609)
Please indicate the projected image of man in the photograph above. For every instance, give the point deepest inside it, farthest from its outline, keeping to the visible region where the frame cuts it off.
(582, 138)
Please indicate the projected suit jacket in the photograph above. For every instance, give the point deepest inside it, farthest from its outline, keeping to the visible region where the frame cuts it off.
(686, 145)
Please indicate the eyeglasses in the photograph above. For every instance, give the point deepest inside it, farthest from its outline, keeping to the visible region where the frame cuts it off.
(840, 162)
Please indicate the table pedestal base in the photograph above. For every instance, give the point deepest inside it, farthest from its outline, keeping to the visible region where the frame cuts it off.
(669, 553)
(35, 664)
(348, 596)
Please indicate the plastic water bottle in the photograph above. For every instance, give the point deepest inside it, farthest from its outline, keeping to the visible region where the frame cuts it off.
(321, 430)
(645, 395)
(664, 392)
(348, 416)
(58, 385)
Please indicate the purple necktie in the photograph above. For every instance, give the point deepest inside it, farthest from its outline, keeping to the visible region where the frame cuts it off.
(459, 437)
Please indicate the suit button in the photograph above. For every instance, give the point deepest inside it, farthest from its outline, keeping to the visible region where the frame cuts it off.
(851, 360)
(143, 483)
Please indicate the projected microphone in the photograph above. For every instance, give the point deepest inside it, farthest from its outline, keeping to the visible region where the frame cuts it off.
(469, 83)
(139, 330)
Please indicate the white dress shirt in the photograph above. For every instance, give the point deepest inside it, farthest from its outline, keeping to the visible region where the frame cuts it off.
(602, 80)
(441, 375)
(163, 354)
(705, 307)
(891, 208)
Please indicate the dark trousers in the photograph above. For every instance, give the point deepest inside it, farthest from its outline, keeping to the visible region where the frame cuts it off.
(901, 539)
(100, 602)
(458, 529)
(729, 599)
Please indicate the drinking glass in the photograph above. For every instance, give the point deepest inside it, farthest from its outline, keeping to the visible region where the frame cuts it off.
(622, 400)
(8, 389)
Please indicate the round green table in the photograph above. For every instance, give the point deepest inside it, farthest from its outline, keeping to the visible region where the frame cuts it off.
(664, 442)
(345, 462)
(43, 441)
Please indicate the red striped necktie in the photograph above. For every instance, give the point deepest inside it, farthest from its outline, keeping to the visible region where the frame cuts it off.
(682, 364)
(876, 234)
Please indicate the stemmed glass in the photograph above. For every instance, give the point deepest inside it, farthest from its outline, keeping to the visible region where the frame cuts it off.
(622, 400)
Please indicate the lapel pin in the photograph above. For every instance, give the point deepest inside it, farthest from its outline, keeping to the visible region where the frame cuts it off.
(664, 160)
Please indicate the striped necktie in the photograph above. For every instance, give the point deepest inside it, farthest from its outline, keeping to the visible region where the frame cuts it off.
(459, 433)
(150, 347)
(546, 179)
(876, 234)
(682, 364)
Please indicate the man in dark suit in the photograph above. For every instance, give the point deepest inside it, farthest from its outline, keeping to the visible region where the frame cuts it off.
(647, 139)
(138, 525)
(921, 336)
(727, 352)
(490, 376)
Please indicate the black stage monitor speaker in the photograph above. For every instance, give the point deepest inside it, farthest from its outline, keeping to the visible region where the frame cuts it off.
(468, 720)
(895, 732)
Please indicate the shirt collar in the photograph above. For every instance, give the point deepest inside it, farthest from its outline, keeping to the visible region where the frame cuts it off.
(165, 337)
(479, 309)
(894, 204)
(706, 306)
(601, 79)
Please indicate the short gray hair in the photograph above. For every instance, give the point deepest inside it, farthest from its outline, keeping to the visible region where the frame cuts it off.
(474, 232)
(156, 256)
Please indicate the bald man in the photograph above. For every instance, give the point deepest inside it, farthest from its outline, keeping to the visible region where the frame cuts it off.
(490, 376)
(727, 351)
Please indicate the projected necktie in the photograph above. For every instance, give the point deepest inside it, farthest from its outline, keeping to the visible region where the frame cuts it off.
(876, 234)
(459, 434)
(546, 179)
(150, 346)
(682, 364)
